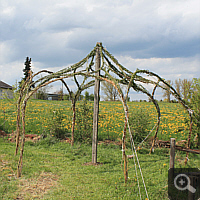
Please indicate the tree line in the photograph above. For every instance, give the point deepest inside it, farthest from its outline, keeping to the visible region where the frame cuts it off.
(184, 87)
(87, 96)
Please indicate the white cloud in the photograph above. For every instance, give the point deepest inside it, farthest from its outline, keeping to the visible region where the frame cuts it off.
(11, 72)
(168, 68)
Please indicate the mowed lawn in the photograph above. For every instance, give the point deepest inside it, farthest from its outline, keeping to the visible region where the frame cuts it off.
(54, 170)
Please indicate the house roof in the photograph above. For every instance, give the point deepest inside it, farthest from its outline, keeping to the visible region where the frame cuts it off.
(5, 85)
(52, 95)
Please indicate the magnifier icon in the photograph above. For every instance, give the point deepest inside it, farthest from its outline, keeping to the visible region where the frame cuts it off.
(182, 182)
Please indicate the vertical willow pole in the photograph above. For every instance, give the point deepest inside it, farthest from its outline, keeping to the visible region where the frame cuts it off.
(19, 167)
(96, 105)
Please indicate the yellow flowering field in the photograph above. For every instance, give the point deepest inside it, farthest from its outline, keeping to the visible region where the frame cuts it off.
(39, 113)
(173, 118)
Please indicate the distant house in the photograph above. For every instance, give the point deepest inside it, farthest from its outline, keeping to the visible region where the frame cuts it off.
(5, 90)
(52, 96)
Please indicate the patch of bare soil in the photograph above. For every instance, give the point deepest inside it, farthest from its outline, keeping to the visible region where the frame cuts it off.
(28, 137)
(4, 166)
(95, 164)
(110, 142)
(36, 188)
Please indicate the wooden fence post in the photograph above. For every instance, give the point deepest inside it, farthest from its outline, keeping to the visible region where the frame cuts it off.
(171, 167)
(172, 153)
(96, 106)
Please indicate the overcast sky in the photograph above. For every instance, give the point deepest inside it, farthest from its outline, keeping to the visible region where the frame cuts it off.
(162, 36)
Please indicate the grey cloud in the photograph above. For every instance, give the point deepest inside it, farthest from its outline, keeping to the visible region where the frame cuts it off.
(62, 32)
(176, 49)
(62, 19)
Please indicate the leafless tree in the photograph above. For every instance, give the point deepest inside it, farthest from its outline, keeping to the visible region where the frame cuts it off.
(186, 86)
(111, 94)
(178, 86)
(166, 91)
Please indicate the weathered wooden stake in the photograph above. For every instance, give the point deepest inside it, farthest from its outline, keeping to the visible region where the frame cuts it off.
(172, 153)
(171, 162)
(96, 106)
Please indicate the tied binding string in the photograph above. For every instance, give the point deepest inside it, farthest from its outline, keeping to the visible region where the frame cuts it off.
(135, 155)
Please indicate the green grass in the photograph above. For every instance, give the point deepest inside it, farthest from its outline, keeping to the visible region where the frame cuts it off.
(60, 167)
(74, 180)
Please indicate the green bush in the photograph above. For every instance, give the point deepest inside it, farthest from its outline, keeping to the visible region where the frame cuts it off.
(55, 124)
(84, 122)
(139, 124)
